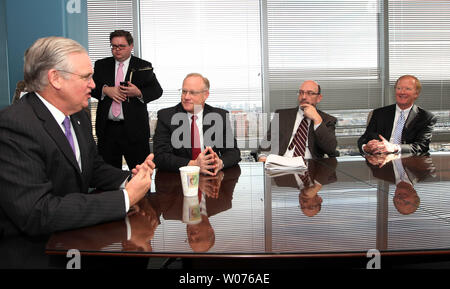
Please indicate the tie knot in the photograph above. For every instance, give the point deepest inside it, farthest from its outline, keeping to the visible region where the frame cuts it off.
(194, 117)
(120, 64)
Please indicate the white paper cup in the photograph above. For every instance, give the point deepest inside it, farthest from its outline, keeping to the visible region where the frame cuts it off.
(189, 179)
(191, 211)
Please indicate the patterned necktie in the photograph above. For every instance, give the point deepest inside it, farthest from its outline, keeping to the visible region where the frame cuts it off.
(399, 128)
(299, 140)
(305, 179)
(195, 138)
(68, 133)
(115, 106)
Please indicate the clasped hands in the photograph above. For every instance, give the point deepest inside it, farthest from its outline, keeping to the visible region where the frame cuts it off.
(208, 161)
(121, 93)
(380, 152)
(380, 147)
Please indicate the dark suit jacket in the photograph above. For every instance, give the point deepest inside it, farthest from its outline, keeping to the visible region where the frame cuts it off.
(170, 157)
(416, 135)
(320, 142)
(135, 112)
(42, 187)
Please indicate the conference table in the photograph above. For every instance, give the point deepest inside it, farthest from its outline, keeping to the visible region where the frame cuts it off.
(337, 207)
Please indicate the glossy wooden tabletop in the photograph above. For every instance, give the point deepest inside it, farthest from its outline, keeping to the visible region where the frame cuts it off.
(343, 206)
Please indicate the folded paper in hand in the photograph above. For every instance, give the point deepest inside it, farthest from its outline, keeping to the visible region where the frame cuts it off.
(276, 162)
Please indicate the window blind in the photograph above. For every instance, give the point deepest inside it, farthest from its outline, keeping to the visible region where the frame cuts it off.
(219, 39)
(333, 42)
(105, 16)
(419, 44)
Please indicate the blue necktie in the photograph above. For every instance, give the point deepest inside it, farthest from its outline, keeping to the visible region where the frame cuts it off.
(399, 128)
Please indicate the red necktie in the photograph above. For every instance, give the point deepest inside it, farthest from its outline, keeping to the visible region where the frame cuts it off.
(299, 140)
(115, 106)
(195, 138)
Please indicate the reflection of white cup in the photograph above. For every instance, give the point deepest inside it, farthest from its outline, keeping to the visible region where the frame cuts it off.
(191, 210)
(189, 179)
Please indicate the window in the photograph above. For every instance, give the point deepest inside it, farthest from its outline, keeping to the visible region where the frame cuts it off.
(219, 39)
(105, 16)
(333, 42)
(419, 44)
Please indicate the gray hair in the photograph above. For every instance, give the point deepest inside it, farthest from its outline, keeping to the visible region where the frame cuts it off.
(45, 54)
(205, 80)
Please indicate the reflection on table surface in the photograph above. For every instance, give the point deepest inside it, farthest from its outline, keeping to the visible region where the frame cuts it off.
(340, 206)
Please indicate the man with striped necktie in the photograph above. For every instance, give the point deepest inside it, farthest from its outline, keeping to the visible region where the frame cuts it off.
(303, 130)
(402, 127)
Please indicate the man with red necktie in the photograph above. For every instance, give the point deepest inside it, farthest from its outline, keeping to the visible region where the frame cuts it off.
(124, 86)
(193, 133)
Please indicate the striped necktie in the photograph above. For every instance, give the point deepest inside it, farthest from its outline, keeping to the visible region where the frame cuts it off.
(299, 140)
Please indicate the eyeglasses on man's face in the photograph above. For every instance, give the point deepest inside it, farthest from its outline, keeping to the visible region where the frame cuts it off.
(191, 92)
(118, 47)
(86, 77)
(308, 93)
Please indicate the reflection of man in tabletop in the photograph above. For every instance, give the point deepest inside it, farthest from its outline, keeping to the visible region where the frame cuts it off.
(216, 194)
(143, 222)
(404, 172)
(309, 183)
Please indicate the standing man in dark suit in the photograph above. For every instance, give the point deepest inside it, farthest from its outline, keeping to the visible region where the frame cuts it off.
(212, 147)
(124, 86)
(402, 127)
(48, 155)
(321, 137)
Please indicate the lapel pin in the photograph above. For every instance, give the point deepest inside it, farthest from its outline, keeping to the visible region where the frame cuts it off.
(78, 122)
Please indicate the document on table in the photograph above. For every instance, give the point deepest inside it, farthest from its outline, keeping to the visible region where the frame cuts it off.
(280, 163)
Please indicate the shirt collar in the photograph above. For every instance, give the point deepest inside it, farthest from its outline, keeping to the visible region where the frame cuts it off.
(399, 110)
(57, 114)
(125, 62)
(199, 115)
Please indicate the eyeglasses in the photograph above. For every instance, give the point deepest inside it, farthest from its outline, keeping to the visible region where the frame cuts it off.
(87, 77)
(308, 93)
(118, 47)
(404, 88)
(192, 92)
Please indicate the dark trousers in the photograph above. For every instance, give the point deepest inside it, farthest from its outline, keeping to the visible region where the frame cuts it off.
(116, 144)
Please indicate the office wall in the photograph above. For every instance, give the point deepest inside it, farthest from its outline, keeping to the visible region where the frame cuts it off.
(4, 84)
(28, 20)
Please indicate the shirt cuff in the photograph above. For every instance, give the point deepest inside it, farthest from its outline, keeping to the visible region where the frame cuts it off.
(127, 200)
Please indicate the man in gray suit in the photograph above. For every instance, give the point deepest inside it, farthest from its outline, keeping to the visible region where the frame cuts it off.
(320, 127)
(49, 158)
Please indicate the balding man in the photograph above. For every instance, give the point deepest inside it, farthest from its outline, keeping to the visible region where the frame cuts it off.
(402, 127)
(318, 128)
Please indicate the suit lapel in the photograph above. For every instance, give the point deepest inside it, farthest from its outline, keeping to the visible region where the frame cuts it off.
(53, 129)
(82, 142)
(131, 65)
(179, 109)
(286, 125)
(389, 121)
(411, 118)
